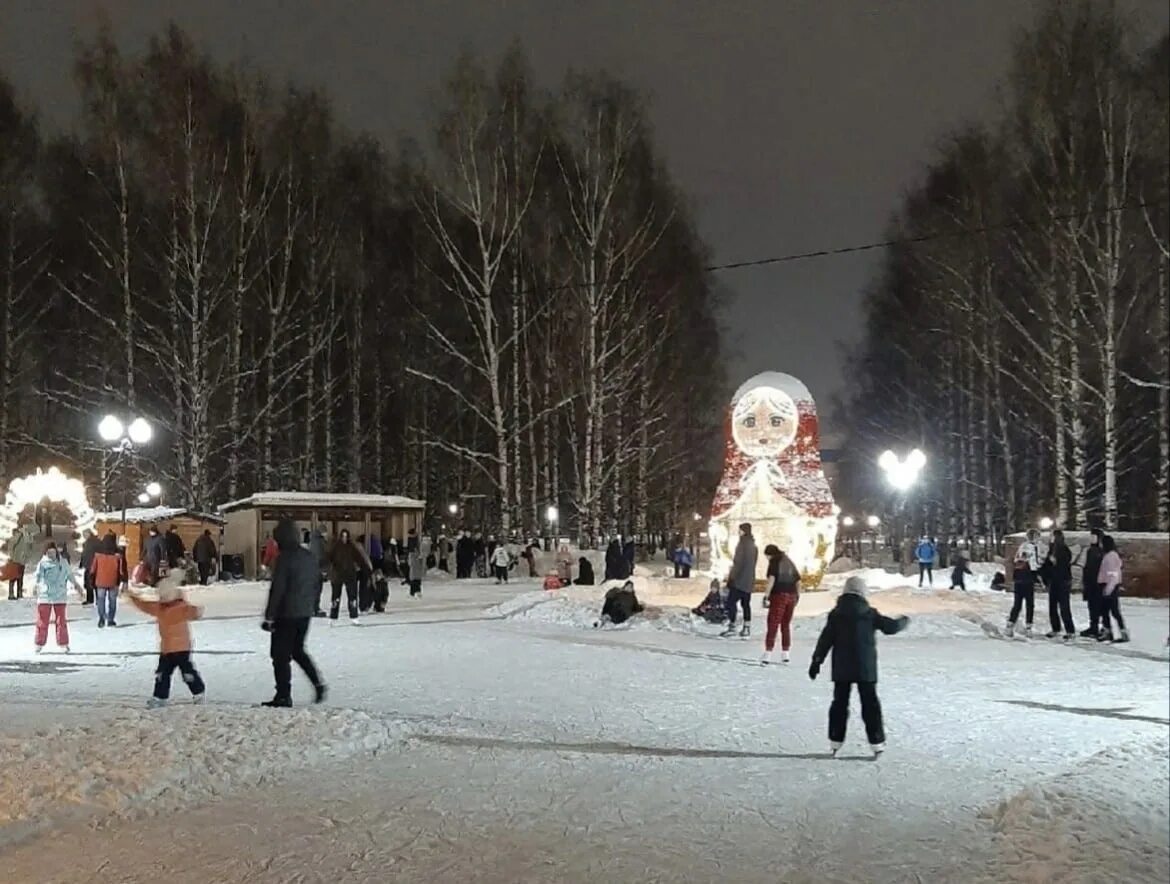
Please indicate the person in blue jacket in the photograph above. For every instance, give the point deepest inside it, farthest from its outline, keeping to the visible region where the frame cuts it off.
(683, 562)
(925, 553)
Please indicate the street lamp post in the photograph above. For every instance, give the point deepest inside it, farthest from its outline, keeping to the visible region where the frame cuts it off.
(125, 441)
(902, 475)
(553, 515)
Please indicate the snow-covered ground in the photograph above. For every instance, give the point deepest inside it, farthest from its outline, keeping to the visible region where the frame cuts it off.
(491, 734)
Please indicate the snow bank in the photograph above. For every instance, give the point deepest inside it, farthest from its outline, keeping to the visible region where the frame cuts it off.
(181, 755)
(1106, 819)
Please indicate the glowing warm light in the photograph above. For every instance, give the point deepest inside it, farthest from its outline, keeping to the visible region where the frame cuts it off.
(552, 513)
(154, 489)
(144, 497)
(453, 508)
(140, 431)
(847, 521)
(111, 428)
(873, 521)
(902, 474)
(31, 490)
(1046, 523)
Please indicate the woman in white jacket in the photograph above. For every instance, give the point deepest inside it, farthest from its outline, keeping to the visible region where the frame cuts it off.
(1110, 577)
(501, 562)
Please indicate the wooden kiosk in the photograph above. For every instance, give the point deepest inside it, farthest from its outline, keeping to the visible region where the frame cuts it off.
(189, 525)
(250, 521)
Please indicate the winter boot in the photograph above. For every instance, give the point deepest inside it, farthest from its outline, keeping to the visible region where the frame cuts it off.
(321, 692)
(1009, 630)
(155, 703)
(746, 631)
(102, 623)
(1088, 633)
(1052, 634)
(1028, 630)
(1105, 635)
(1070, 637)
(729, 631)
(278, 703)
(1122, 637)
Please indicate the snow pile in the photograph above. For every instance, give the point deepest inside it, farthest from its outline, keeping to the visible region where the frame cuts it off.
(171, 757)
(1104, 820)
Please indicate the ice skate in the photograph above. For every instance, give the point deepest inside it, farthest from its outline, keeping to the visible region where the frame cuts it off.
(277, 703)
(1105, 635)
(1028, 631)
(112, 624)
(729, 631)
(1088, 633)
(1070, 637)
(1122, 637)
(1052, 634)
(834, 748)
(878, 749)
(784, 657)
(1009, 630)
(155, 703)
(320, 692)
(197, 699)
(746, 631)
(65, 649)
(38, 649)
(766, 659)
(101, 624)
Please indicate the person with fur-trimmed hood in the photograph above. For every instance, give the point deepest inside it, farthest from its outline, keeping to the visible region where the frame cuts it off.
(849, 635)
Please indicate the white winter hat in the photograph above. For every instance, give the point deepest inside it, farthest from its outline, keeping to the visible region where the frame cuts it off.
(855, 586)
(169, 592)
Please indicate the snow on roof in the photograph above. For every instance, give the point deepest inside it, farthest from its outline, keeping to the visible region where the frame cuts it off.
(324, 500)
(137, 514)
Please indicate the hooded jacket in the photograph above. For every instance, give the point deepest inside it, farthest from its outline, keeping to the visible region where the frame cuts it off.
(52, 581)
(849, 634)
(295, 586)
(204, 550)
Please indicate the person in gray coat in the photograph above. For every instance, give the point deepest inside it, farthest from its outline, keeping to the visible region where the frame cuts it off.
(320, 552)
(741, 580)
(292, 601)
(416, 571)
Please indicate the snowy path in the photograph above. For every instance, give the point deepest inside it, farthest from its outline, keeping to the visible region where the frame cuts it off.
(469, 737)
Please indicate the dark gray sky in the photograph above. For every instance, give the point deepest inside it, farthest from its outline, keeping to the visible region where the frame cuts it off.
(794, 125)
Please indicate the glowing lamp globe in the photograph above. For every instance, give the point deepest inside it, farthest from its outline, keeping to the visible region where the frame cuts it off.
(1046, 523)
(110, 428)
(873, 521)
(144, 497)
(140, 431)
(552, 514)
(154, 489)
(888, 461)
(847, 521)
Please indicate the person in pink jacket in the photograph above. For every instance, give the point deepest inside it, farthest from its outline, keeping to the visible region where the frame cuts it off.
(1110, 577)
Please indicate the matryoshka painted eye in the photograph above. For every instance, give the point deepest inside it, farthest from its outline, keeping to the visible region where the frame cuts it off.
(777, 420)
(749, 421)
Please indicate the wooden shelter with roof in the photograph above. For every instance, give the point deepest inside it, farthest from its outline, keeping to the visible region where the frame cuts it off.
(188, 524)
(248, 522)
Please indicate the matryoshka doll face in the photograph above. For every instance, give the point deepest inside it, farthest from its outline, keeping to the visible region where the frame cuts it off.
(764, 422)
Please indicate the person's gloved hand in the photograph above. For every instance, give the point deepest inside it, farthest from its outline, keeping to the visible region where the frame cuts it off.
(266, 626)
(814, 669)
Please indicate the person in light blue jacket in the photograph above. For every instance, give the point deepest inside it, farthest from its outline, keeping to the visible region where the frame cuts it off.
(53, 579)
(925, 553)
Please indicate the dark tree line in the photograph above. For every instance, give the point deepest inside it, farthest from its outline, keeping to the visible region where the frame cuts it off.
(1023, 344)
(513, 308)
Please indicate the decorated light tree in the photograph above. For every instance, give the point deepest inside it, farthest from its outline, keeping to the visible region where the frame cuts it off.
(772, 478)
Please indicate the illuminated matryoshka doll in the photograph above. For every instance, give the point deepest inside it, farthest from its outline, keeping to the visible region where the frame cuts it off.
(772, 478)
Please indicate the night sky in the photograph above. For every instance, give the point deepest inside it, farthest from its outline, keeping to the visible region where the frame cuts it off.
(794, 125)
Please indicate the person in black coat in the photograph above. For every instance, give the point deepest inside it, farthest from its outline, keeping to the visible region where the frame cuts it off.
(849, 634)
(615, 563)
(1091, 582)
(89, 549)
(1059, 561)
(292, 602)
(174, 547)
(584, 572)
(204, 553)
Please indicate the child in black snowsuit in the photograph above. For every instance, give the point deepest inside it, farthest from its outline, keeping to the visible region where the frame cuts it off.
(849, 634)
(961, 569)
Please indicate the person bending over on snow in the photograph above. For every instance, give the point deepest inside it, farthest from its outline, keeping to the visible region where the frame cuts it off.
(173, 613)
(783, 594)
(849, 634)
(53, 579)
(1025, 567)
(741, 580)
(959, 573)
(292, 603)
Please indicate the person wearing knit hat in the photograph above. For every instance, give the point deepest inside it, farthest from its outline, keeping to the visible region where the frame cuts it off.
(849, 635)
(741, 580)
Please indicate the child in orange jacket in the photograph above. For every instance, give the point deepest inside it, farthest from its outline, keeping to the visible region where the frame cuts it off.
(173, 613)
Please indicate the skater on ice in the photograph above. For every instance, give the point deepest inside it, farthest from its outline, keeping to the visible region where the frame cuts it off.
(1091, 582)
(741, 580)
(1111, 578)
(292, 603)
(960, 572)
(1059, 562)
(501, 562)
(174, 615)
(783, 594)
(849, 634)
(109, 573)
(345, 560)
(925, 554)
(51, 586)
(1025, 569)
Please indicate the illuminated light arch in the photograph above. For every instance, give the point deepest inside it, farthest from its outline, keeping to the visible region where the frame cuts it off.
(32, 489)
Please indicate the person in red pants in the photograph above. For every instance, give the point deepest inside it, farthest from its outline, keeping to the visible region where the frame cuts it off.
(783, 594)
(53, 579)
